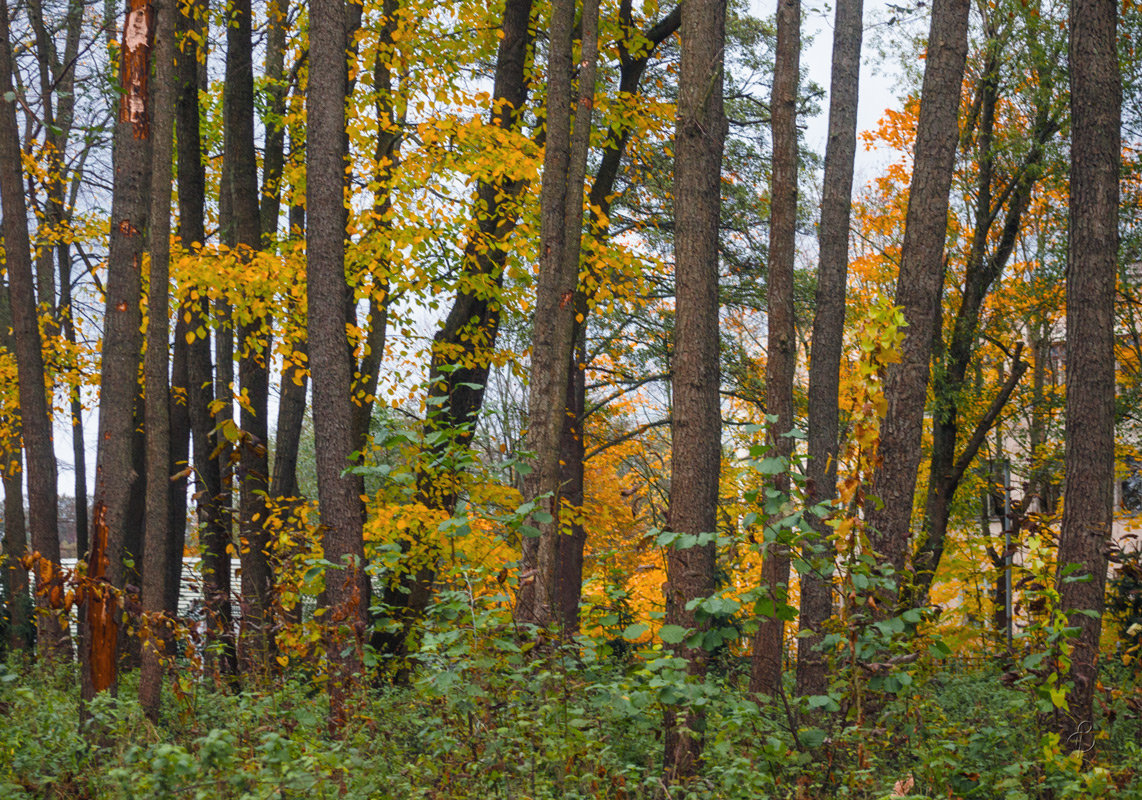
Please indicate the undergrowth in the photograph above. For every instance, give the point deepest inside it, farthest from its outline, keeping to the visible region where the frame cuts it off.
(502, 723)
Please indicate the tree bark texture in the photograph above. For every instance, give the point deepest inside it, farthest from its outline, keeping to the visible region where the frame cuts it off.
(256, 641)
(781, 362)
(158, 551)
(567, 136)
(918, 290)
(1088, 503)
(18, 610)
(696, 429)
(828, 342)
(346, 593)
(35, 415)
(115, 519)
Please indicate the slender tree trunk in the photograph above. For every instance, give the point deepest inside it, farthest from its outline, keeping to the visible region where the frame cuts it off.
(462, 348)
(569, 555)
(213, 522)
(346, 591)
(983, 268)
(1088, 503)
(769, 642)
(15, 525)
(918, 290)
(116, 473)
(828, 342)
(552, 347)
(386, 160)
(35, 417)
(696, 452)
(158, 550)
(256, 642)
(277, 90)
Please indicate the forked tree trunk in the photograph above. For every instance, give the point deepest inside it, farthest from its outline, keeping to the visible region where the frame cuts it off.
(117, 478)
(553, 336)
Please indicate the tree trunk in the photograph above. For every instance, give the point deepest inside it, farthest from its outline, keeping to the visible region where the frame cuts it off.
(458, 370)
(158, 550)
(828, 342)
(569, 556)
(918, 291)
(386, 160)
(35, 415)
(983, 268)
(256, 642)
(116, 473)
(696, 451)
(1088, 503)
(769, 642)
(213, 522)
(552, 346)
(346, 591)
(18, 610)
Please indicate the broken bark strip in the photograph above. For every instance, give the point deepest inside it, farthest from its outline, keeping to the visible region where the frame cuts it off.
(100, 610)
(138, 35)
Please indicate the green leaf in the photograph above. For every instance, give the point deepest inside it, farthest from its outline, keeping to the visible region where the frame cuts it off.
(672, 634)
(635, 631)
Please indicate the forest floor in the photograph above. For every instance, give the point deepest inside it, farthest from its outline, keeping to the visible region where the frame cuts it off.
(498, 723)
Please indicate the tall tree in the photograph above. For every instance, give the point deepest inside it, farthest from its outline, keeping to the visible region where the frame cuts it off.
(346, 591)
(633, 60)
(828, 340)
(215, 534)
(1088, 502)
(158, 551)
(462, 347)
(781, 361)
(15, 523)
(918, 289)
(1001, 201)
(567, 138)
(256, 642)
(696, 451)
(116, 471)
(35, 418)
